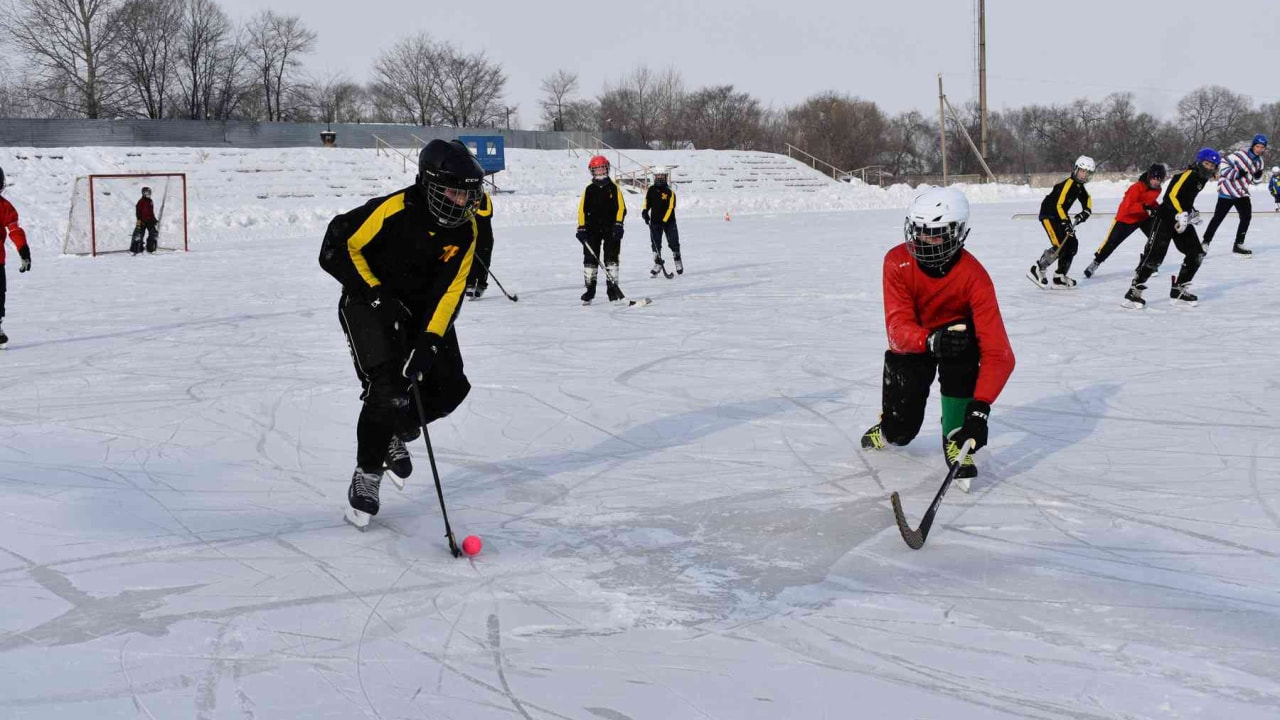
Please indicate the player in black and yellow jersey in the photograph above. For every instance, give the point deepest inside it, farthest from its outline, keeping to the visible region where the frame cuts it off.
(659, 213)
(600, 215)
(1060, 226)
(1175, 222)
(478, 282)
(403, 261)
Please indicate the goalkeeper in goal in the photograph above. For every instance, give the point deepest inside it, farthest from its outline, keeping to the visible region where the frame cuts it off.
(146, 214)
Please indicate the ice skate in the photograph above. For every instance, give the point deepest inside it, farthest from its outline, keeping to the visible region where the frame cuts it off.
(4, 339)
(1062, 282)
(1036, 273)
(399, 462)
(679, 265)
(1239, 250)
(1180, 296)
(873, 438)
(1093, 268)
(1133, 299)
(363, 492)
(589, 278)
(657, 265)
(967, 470)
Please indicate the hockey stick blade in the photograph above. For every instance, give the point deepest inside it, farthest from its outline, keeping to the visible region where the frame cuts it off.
(915, 538)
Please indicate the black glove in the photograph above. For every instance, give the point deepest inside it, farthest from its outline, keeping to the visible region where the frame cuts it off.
(974, 427)
(617, 231)
(25, 254)
(1151, 210)
(949, 342)
(1081, 217)
(582, 235)
(422, 356)
(644, 215)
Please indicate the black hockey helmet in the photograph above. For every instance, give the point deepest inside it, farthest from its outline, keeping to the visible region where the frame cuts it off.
(1, 179)
(146, 192)
(452, 180)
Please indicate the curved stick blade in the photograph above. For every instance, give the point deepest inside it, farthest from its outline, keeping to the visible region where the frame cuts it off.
(914, 539)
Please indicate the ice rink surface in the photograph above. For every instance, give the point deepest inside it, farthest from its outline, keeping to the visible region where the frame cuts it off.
(678, 520)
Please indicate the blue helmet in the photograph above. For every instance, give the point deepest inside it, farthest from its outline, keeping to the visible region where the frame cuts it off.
(1259, 139)
(1208, 154)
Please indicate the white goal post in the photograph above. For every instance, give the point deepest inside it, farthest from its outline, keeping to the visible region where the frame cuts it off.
(102, 216)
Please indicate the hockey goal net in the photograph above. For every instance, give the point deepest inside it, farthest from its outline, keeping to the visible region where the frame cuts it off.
(103, 216)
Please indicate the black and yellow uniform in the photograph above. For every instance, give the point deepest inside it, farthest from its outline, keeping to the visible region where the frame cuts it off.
(601, 212)
(1055, 218)
(402, 273)
(1180, 198)
(479, 278)
(659, 214)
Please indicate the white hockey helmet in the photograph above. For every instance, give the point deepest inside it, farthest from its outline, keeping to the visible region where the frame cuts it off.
(660, 171)
(936, 226)
(1275, 170)
(1086, 163)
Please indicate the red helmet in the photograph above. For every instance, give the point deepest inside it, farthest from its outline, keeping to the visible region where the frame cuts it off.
(599, 162)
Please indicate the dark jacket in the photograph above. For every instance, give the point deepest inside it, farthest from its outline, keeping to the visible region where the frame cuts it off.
(1057, 204)
(660, 203)
(484, 222)
(601, 207)
(1181, 196)
(393, 242)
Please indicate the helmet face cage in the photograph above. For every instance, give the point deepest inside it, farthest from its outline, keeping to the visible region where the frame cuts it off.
(146, 192)
(452, 206)
(600, 172)
(932, 245)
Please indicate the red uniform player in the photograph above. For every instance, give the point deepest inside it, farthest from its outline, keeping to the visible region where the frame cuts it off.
(941, 317)
(145, 212)
(9, 227)
(1137, 212)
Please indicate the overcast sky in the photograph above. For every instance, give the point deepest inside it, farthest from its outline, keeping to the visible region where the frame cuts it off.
(782, 51)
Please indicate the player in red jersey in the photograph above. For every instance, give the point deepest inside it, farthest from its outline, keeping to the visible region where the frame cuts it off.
(941, 315)
(9, 228)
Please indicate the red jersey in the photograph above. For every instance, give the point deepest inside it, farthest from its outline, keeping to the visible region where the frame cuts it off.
(916, 304)
(9, 226)
(1139, 197)
(146, 211)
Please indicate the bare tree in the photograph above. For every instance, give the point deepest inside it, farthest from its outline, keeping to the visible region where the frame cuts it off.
(150, 31)
(582, 115)
(1213, 115)
(276, 43)
(404, 84)
(201, 48)
(846, 131)
(232, 84)
(71, 44)
(557, 91)
(721, 118)
(335, 98)
(468, 89)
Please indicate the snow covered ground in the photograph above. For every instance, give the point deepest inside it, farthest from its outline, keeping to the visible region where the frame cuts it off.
(678, 521)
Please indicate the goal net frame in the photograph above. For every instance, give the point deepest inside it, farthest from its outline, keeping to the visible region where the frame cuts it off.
(93, 215)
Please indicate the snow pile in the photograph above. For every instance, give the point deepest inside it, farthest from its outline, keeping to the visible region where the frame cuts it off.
(242, 194)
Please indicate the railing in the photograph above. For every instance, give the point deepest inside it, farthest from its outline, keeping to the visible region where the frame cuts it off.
(815, 161)
(639, 177)
(862, 173)
(381, 146)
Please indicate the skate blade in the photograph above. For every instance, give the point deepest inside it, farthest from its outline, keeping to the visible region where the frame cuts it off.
(1037, 283)
(636, 303)
(358, 518)
(395, 480)
(963, 484)
(1131, 305)
(1184, 303)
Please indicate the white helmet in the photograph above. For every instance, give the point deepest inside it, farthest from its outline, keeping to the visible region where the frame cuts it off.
(936, 226)
(1276, 169)
(660, 171)
(1084, 162)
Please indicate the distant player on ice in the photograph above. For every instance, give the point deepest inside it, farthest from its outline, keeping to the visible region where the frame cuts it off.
(1274, 186)
(659, 213)
(1175, 222)
(942, 317)
(1060, 226)
(1239, 171)
(145, 212)
(601, 212)
(9, 227)
(1137, 212)
(403, 260)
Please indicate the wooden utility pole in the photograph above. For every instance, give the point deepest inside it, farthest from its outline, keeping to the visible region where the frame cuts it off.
(982, 71)
(942, 129)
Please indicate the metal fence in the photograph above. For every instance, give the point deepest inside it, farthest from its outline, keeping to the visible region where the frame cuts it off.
(244, 134)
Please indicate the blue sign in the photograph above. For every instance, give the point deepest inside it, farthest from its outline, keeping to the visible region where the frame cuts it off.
(488, 149)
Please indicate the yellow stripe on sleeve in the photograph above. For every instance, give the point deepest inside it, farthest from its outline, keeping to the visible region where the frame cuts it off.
(368, 230)
(622, 203)
(448, 304)
(670, 208)
(1062, 197)
(1173, 191)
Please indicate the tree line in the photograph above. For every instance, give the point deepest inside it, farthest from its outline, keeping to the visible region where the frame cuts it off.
(189, 59)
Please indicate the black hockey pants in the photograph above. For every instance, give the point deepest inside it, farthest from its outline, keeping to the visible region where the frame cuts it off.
(1243, 205)
(907, 379)
(1187, 242)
